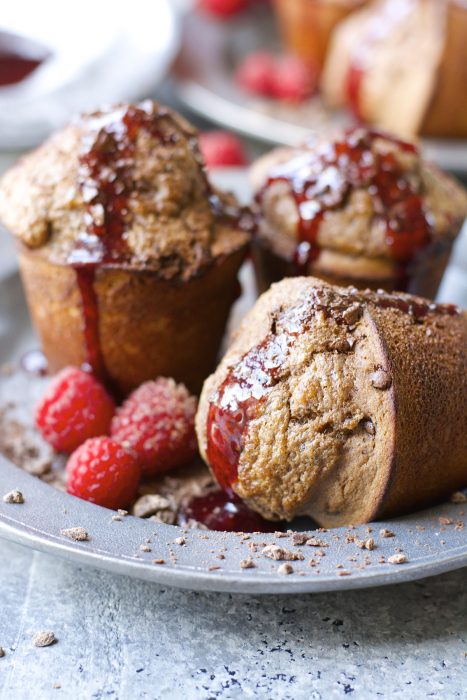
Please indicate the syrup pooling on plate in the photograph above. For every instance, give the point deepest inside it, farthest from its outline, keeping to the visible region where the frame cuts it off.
(240, 397)
(221, 511)
(322, 180)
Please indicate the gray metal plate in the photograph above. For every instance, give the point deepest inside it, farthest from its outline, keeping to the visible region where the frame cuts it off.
(430, 544)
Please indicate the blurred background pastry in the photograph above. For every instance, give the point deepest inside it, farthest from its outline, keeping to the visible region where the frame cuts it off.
(307, 25)
(363, 208)
(401, 65)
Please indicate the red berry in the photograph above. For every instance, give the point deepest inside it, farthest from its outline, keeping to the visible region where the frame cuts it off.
(222, 8)
(103, 472)
(293, 80)
(74, 408)
(256, 73)
(157, 423)
(221, 148)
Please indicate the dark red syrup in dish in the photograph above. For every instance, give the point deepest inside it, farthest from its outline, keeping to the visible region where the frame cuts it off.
(19, 57)
(322, 180)
(220, 511)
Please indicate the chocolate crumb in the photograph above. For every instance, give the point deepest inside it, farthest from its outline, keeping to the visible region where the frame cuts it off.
(180, 540)
(285, 569)
(315, 542)
(145, 548)
(213, 568)
(299, 538)
(397, 559)
(444, 521)
(79, 534)
(44, 639)
(2, 652)
(344, 572)
(247, 563)
(369, 543)
(56, 686)
(386, 533)
(380, 379)
(158, 561)
(14, 496)
(458, 497)
(273, 551)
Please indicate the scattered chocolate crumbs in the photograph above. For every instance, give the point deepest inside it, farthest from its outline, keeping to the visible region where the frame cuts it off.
(159, 561)
(397, 559)
(247, 563)
(273, 551)
(44, 639)
(314, 542)
(79, 534)
(14, 496)
(299, 538)
(180, 541)
(386, 533)
(285, 569)
(458, 497)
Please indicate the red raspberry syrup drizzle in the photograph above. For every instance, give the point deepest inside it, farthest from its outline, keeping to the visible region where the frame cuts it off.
(248, 383)
(105, 179)
(323, 180)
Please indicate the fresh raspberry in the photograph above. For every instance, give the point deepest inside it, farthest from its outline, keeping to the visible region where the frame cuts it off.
(104, 472)
(222, 8)
(256, 73)
(157, 423)
(221, 148)
(293, 80)
(74, 408)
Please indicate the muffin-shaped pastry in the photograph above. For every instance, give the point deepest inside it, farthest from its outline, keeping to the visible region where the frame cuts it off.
(342, 405)
(307, 25)
(129, 258)
(400, 64)
(362, 209)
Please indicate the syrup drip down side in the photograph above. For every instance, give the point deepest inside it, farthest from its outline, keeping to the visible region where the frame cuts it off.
(106, 182)
(323, 180)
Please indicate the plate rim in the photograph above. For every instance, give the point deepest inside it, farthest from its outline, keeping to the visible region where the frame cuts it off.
(23, 525)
